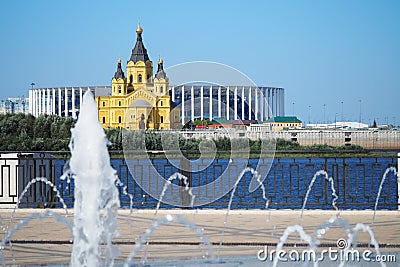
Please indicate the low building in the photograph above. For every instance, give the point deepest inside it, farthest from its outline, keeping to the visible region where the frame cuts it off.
(218, 123)
(283, 123)
(338, 125)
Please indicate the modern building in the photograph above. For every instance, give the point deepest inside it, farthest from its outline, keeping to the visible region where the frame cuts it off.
(5, 107)
(229, 102)
(61, 101)
(14, 105)
(138, 92)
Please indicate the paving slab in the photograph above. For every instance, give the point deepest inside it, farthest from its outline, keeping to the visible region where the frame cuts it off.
(48, 241)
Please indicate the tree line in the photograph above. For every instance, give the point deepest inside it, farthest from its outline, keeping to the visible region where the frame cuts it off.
(24, 132)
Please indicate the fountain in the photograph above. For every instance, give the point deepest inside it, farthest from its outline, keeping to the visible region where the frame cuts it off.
(334, 195)
(390, 169)
(242, 173)
(96, 196)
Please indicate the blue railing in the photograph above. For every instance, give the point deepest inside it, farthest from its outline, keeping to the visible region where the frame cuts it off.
(356, 181)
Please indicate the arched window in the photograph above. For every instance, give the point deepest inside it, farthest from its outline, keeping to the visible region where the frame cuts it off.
(161, 103)
(161, 90)
(119, 103)
(119, 119)
(104, 104)
(131, 79)
(119, 89)
(140, 78)
(104, 120)
(162, 119)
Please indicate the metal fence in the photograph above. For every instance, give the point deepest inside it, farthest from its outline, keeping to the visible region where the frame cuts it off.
(356, 181)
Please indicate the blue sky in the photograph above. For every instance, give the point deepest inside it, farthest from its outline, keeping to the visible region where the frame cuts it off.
(321, 52)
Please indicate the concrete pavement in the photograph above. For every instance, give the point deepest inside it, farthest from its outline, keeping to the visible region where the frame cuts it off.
(47, 241)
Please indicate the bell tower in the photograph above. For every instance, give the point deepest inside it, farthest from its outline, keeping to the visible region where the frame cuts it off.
(139, 67)
(118, 82)
(161, 81)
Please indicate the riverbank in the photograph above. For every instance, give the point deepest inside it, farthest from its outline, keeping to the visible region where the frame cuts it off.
(303, 153)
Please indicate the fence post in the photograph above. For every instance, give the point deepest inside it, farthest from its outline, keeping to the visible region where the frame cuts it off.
(398, 181)
(185, 169)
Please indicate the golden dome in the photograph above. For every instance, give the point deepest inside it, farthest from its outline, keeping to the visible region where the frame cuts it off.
(139, 29)
(119, 61)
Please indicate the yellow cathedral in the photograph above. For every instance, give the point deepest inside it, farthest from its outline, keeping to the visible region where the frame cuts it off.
(138, 100)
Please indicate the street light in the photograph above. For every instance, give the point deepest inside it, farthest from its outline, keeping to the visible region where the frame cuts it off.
(342, 112)
(335, 120)
(293, 108)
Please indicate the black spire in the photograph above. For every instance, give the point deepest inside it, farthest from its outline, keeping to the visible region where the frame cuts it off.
(119, 73)
(139, 52)
(160, 70)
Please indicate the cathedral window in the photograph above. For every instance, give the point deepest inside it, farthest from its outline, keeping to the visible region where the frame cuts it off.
(131, 79)
(161, 90)
(140, 78)
(119, 119)
(162, 119)
(119, 89)
(104, 104)
(104, 120)
(161, 103)
(119, 103)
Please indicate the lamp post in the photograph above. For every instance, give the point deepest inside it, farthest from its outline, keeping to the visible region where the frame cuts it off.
(293, 108)
(335, 120)
(342, 119)
(32, 85)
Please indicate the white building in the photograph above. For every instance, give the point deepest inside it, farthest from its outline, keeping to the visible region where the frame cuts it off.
(197, 101)
(14, 105)
(340, 125)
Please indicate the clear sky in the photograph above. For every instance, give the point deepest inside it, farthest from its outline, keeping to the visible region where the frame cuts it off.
(321, 52)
